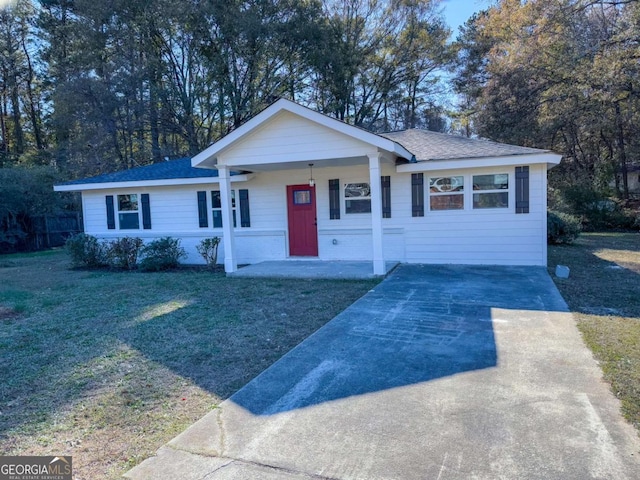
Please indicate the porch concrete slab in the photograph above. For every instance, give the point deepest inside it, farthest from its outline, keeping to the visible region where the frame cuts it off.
(309, 269)
(439, 372)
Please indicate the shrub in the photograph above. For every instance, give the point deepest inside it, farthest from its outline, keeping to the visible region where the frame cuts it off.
(208, 248)
(123, 252)
(161, 254)
(596, 210)
(86, 250)
(562, 228)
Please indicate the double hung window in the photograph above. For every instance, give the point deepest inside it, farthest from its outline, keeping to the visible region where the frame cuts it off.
(216, 204)
(128, 212)
(491, 191)
(357, 198)
(446, 193)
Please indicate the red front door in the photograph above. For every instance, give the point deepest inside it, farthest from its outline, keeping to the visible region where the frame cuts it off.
(303, 230)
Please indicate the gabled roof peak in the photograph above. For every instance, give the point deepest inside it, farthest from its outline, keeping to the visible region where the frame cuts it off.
(209, 156)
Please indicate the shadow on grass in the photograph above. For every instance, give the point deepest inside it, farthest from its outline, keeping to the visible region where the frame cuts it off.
(137, 336)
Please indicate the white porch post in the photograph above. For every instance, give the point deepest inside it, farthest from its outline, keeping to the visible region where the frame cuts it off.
(376, 213)
(228, 239)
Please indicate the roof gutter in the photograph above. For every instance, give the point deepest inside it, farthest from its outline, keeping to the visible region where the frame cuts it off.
(550, 159)
(81, 187)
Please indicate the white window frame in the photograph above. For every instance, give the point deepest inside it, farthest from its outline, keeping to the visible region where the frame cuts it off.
(461, 193)
(356, 199)
(234, 204)
(119, 212)
(506, 191)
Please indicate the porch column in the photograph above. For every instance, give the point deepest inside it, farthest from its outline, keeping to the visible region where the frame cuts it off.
(376, 213)
(228, 239)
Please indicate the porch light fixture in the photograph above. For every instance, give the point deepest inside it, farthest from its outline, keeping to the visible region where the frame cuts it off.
(312, 182)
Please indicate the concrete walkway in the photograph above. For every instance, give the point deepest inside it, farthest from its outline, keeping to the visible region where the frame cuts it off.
(437, 373)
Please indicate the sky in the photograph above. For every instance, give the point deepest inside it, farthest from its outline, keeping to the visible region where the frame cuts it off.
(456, 12)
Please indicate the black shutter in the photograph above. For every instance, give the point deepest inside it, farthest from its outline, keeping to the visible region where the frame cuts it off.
(417, 194)
(146, 211)
(245, 218)
(111, 215)
(385, 182)
(203, 215)
(334, 199)
(522, 189)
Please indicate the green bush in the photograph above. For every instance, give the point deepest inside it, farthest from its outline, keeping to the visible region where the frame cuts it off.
(162, 254)
(85, 250)
(562, 228)
(208, 248)
(123, 252)
(596, 210)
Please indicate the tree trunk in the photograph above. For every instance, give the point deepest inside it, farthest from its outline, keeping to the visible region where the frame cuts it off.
(33, 113)
(153, 116)
(624, 171)
(17, 124)
(3, 127)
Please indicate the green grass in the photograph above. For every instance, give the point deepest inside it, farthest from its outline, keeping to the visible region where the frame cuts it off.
(603, 291)
(108, 366)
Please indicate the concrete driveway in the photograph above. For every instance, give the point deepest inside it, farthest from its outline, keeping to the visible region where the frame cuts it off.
(440, 372)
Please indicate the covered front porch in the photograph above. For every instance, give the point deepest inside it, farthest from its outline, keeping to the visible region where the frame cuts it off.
(289, 138)
(311, 269)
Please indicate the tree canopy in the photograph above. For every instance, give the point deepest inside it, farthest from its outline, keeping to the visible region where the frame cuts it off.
(93, 86)
(557, 74)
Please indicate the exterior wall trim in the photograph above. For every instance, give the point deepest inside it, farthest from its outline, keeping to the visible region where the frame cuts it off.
(149, 183)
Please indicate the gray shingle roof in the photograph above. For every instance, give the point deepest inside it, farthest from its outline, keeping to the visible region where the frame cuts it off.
(172, 169)
(426, 145)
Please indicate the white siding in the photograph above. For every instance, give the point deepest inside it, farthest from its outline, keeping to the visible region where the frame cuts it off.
(496, 236)
(489, 236)
(290, 138)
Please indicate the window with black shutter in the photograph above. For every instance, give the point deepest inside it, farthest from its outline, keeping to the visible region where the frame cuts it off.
(245, 217)
(203, 214)
(334, 199)
(417, 195)
(146, 211)
(216, 207)
(111, 214)
(385, 182)
(522, 189)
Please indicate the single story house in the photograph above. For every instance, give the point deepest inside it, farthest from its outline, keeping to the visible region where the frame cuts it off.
(293, 183)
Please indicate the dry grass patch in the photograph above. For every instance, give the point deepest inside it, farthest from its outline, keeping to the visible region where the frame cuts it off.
(604, 293)
(108, 366)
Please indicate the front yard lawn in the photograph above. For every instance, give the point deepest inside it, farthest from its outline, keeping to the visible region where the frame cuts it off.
(108, 366)
(603, 291)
